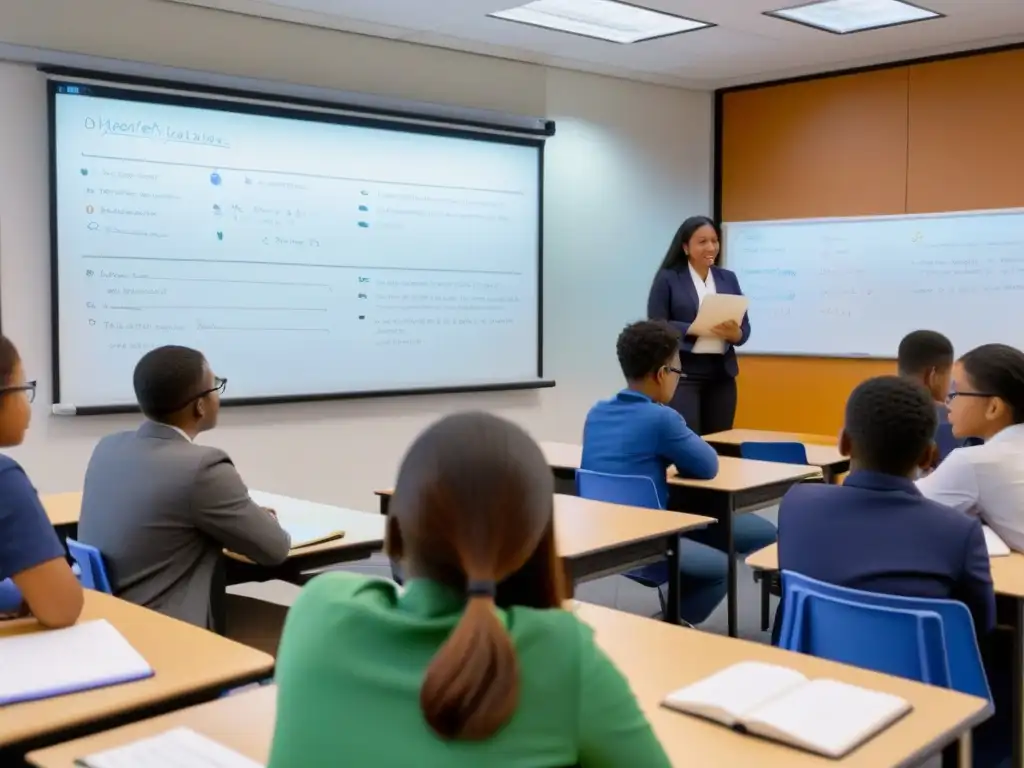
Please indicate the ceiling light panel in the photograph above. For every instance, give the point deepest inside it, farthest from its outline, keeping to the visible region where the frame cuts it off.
(845, 16)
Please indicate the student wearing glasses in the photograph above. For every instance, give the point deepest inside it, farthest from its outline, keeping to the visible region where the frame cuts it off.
(162, 508)
(35, 578)
(986, 401)
(637, 432)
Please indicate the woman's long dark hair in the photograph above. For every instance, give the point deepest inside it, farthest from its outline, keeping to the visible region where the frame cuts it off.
(676, 256)
(998, 371)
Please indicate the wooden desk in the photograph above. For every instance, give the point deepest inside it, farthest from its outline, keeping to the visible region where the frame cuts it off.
(822, 450)
(671, 657)
(63, 509)
(191, 665)
(742, 485)
(1008, 581)
(596, 539)
(564, 459)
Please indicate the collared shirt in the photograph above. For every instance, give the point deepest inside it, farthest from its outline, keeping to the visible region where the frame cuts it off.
(574, 706)
(180, 431)
(985, 479)
(633, 435)
(703, 286)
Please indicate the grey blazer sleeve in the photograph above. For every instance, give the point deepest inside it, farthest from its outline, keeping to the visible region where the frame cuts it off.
(223, 510)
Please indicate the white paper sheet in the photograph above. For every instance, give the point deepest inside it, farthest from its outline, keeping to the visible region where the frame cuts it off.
(177, 748)
(55, 662)
(995, 545)
(715, 309)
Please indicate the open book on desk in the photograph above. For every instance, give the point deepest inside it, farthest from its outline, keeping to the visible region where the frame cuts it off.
(55, 662)
(822, 716)
(171, 749)
(307, 522)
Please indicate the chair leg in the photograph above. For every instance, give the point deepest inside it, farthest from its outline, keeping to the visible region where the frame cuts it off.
(766, 584)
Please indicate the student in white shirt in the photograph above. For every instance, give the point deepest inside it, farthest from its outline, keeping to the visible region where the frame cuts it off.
(986, 401)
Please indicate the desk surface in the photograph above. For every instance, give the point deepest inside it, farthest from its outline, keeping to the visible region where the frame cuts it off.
(1007, 571)
(746, 474)
(361, 528)
(584, 526)
(672, 657)
(733, 474)
(185, 658)
(62, 508)
(822, 451)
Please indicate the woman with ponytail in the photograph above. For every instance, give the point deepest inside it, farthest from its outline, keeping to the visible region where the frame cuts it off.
(475, 663)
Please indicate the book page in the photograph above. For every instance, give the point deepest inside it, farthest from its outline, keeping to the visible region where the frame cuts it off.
(307, 522)
(55, 662)
(717, 308)
(176, 748)
(995, 545)
(826, 716)
(732, 693)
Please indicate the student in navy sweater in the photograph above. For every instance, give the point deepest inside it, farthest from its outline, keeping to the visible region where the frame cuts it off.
(876, 532)
(637, 433)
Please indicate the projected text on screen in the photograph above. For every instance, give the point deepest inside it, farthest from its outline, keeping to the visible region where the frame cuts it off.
(302, 257)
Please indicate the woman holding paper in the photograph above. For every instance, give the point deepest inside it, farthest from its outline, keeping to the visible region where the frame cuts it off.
(706, 305)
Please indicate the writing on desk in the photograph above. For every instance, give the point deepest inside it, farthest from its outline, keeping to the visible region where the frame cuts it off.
(155, 130)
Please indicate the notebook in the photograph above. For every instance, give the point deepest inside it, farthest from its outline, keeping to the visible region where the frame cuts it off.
(171, 749)
(90, 655)
(995, 545)
(822, 716)
(307, 522)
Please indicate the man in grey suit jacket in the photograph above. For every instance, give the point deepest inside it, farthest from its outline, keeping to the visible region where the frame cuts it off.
(160, 508)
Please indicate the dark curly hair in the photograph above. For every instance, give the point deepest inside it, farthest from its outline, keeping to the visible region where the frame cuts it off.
(890, 421)
(646, 346)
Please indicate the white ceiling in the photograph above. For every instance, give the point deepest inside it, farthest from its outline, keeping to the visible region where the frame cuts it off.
(744, 47)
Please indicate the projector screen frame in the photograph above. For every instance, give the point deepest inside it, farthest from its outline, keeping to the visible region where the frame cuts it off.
(127, 88)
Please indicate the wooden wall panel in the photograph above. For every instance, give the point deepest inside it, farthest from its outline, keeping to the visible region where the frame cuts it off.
(830, 147)
(966, 132)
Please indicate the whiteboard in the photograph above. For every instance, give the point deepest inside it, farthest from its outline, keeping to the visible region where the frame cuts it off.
(853, 287)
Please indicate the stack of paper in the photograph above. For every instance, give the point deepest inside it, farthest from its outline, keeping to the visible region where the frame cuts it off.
(307, 522)
(41, 665)
(171, 749)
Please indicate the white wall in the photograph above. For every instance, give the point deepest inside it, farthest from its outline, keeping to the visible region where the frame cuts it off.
(628, 163)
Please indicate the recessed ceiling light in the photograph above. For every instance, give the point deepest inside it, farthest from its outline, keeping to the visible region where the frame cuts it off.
(603, 19)
(845, 16)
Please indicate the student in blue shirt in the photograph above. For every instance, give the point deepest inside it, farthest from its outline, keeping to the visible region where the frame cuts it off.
(34, 576)
(877, 532)
(636, 433)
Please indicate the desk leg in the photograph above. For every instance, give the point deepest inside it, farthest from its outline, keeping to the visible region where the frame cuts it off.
(1018, 684)
(674, 587)
(730, 549)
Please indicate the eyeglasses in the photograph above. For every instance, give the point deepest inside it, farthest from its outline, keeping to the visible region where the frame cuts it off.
(29, 388)
(673, 369)
(954, 395)
(219, 385)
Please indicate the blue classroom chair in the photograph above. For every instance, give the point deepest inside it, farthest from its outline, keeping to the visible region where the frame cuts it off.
(965, 671)
(633, 491)
(91, 570)
(780, 453)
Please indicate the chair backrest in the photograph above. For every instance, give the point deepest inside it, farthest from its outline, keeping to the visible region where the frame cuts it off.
(10, 597)
(90, 562)
(966, 670)
(632, 490)
(897, 642)
(780, 453)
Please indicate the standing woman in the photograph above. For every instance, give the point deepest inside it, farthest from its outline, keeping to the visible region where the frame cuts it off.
(706, 398)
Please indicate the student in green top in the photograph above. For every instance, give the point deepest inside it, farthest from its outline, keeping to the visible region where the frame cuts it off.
(475, 663)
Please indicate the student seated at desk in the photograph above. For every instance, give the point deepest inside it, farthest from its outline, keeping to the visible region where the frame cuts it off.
(986, 401)
(34, 576)
(161, 508)
(876, 532)
(926, 358)
(475, 663)
(637, 433)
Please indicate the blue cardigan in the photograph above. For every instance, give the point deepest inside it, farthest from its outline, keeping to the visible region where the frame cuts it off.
(673, 297)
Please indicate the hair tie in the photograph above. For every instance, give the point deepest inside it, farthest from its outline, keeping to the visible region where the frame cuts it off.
(481, 588)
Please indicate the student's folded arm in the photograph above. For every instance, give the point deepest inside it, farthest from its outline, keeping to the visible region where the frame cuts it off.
(32, 555)
(659, 307)
(613, 730)
(952, 483)
(976, 589)
(224, 511)
(692, 456)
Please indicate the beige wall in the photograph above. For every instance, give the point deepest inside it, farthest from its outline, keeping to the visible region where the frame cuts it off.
(628, 163)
